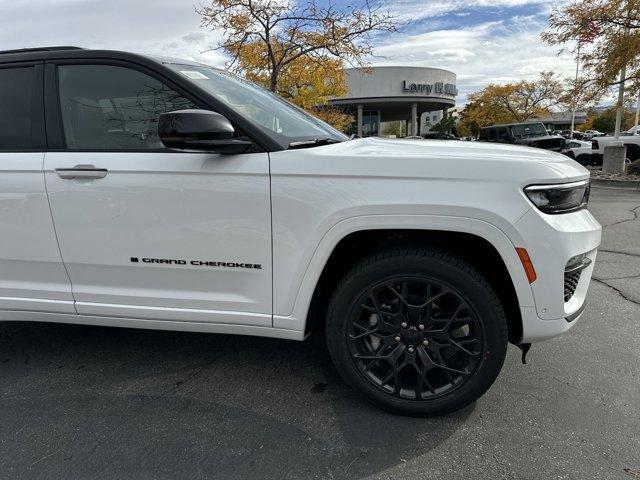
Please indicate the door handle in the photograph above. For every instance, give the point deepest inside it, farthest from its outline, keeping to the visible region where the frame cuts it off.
(81, 171)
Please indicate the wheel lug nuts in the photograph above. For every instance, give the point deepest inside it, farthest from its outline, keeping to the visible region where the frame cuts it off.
(411, 349)
(425, 342)
(421, 327)
(397, 338)
(403, 324)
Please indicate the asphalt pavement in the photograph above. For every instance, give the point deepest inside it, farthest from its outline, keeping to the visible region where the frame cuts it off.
(81, 402)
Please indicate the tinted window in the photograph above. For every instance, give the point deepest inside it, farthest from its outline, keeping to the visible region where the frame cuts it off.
(112, 108)
(528, 130)
(16, 103)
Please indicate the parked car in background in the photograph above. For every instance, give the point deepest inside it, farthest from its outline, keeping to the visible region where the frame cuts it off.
(567, 134)
(580, 151)
(632, 142)
(438, 136)
(589, 134)
(531, 134)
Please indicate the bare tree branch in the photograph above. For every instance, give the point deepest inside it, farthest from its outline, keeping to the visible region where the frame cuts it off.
(285, 31)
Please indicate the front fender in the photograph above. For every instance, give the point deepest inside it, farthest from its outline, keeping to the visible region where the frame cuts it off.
(503, 242)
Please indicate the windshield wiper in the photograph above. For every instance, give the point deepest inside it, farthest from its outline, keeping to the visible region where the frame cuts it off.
(313, 142)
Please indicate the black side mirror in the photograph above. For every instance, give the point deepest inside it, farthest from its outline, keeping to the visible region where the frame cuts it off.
(199, 130)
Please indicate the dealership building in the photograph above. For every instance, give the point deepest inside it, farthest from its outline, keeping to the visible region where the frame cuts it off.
(418, 96)
(562, 120)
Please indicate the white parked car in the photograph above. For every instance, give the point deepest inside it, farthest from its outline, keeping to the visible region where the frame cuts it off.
(589, 134)
(579, 150)
(632, 142)
(165, 194)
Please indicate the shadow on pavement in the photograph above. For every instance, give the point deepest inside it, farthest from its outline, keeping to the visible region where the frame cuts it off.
(92, 402)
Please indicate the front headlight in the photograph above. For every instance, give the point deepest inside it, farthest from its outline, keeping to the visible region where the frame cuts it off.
(561, 198)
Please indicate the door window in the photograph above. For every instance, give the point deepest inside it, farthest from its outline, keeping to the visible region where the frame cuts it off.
(16, 107)
(503, 134)
(106, 107)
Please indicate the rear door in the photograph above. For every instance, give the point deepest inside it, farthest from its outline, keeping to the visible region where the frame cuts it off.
(146, 232)
(32, 276)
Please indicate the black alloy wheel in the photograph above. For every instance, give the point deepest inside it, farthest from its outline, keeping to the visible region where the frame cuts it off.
(418, 331)
(414, 337)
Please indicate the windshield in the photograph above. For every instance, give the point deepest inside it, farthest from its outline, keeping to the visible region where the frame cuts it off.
(528, 130)
(259, 105)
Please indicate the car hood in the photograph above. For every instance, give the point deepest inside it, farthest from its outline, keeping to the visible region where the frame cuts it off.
(381, 157)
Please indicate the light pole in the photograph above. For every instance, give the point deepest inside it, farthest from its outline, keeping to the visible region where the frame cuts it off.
(573, 109)
(615, 153)
(623, 74)
(613, 160)
(620, 111)
(635, 125)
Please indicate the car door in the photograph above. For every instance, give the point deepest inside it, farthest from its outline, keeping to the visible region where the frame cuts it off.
(146, 232)
(32, 276)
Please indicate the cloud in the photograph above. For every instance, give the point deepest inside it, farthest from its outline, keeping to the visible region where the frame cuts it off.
(195, 37)
(482, 41)
(166, 27)
(505, 50)
(416, 10)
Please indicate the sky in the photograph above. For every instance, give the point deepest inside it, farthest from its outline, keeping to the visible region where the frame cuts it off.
(482, 41)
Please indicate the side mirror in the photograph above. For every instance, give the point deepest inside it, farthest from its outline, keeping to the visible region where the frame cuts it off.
(199, 130)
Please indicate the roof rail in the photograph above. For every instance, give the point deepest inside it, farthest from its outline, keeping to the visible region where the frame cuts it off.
(39, 49)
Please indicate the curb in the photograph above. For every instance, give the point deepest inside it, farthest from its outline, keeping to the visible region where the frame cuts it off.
(626, 184)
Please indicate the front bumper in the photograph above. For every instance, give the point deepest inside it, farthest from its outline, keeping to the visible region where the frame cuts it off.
(551, 241)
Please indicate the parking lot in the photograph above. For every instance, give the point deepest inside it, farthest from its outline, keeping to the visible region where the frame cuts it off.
(82, 402)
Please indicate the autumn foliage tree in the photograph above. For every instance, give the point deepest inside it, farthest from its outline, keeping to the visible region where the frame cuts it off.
(605, 121)
(510, 102)
(297, 49)
(608, 32)
(307, 82)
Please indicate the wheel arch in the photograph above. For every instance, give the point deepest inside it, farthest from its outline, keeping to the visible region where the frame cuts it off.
(486, 246)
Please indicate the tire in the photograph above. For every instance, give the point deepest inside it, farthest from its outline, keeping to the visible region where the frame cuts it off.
(584, 159)
(443, 338)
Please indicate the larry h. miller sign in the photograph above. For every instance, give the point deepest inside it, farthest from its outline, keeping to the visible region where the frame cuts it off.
(437, 88)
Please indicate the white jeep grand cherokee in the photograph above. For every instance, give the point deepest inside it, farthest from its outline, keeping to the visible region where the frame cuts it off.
(158, 193)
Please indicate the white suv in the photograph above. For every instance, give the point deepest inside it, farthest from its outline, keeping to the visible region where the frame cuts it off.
(159, 193)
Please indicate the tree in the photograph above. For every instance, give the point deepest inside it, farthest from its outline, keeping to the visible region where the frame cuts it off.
(511, 102)
(273, 35)
(612, 30)
(307, 82)
(606, 121)
(333, 116)
(576, 93)
(394, 128)
(592, 115)
(446, 124)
